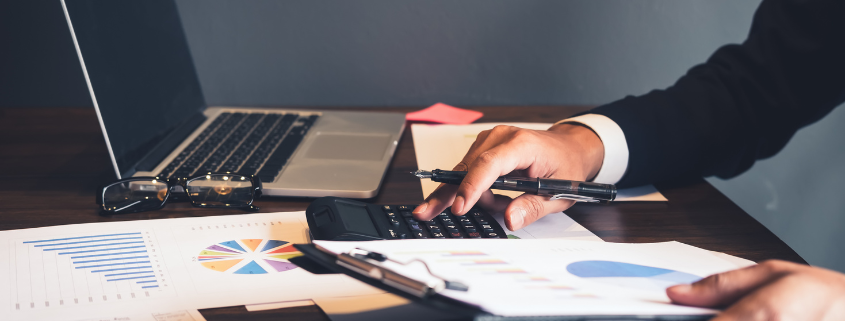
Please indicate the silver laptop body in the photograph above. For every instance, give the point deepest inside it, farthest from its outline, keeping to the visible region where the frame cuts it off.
(146, 92)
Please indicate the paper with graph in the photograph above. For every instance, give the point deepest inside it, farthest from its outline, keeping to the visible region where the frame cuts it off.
(66, 272)
(554, 276)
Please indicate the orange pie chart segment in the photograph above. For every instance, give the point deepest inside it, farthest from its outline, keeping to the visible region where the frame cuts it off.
(221, 266)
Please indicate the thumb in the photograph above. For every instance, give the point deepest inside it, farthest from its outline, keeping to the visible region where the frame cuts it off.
(527, 208)
(726, 288)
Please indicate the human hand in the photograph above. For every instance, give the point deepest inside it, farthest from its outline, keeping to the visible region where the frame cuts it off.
(772, 290)
(565, 151)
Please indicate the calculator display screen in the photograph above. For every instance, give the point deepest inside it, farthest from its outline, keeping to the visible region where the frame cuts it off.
(356, 219)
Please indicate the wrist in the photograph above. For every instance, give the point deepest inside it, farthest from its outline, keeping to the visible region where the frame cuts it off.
(588, 144)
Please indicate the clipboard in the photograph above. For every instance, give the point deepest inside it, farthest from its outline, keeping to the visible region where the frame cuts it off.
(415, 291)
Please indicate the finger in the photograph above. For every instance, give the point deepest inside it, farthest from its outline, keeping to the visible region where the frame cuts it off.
(486, 168)
(485, 141)
(527, 209)
(442, 197)
(493, 203)
(793, 296)
(439, 200)
(726, 288)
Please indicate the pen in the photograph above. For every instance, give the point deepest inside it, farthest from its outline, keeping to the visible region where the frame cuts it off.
(556, 188)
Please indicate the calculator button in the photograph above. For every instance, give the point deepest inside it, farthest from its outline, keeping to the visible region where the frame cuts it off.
(410, 220)
(438, 235)
(443, 214)
(467, 224)
(471, 230)
(456, 235)
(486, 226)
(406, 213)
(403, 235)
(419, 235)
(392, 233)
(386, 207)
(491, 234)
(450, 226)
(482, 221)
(391, 214)
(404, 207)
(415, 227)
(434, 230)
(394, 222)
(474, 235)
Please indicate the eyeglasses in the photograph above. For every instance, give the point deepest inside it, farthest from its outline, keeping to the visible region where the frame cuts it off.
(138, 194)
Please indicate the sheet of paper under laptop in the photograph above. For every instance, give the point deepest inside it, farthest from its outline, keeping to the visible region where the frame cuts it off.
(443, 146)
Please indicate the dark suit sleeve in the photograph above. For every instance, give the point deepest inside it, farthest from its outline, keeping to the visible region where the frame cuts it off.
(745, 102)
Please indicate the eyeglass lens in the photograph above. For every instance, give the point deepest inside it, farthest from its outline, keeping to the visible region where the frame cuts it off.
(221, 190)
(134, 195)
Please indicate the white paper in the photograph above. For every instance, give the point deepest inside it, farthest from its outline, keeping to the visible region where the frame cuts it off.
(444, 146)
(161, 268)
(278, 305)
(176, 315)
(554, 225)
(553, 276)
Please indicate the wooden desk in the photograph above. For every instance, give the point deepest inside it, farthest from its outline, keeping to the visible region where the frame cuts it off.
(53, 159)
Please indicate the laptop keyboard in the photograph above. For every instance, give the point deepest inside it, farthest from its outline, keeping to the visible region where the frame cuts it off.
(244, 143)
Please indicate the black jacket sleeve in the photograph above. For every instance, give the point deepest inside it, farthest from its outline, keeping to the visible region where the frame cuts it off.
(745, 102)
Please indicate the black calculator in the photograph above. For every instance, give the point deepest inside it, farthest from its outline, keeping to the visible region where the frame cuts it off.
(341, 219)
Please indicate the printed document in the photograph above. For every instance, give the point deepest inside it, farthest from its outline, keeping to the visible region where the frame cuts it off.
(158, 266)
(553, 276)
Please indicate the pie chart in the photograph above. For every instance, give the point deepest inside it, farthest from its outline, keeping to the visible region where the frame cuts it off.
(629, 275)
(249, 256)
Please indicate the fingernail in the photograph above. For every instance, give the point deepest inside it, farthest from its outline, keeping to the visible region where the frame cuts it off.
(421, 208)
(517, 218)
(681, 288)
(458, 205)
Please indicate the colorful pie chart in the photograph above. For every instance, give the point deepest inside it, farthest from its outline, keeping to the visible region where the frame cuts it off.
(629, 275)
(249, 256)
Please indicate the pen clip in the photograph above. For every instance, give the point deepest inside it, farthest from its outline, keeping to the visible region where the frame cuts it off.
(577, 198)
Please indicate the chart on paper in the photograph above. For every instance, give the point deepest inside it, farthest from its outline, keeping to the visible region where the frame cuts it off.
(70, 270)
(244, 257)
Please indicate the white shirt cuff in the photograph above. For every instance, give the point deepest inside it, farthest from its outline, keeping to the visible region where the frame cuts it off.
(615, 161)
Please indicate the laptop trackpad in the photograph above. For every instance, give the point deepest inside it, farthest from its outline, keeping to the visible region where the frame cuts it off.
(348, 146)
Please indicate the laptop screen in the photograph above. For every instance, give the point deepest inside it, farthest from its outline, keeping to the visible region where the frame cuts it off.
(140, 74)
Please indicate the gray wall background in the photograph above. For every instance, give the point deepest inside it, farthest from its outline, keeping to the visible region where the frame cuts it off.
(469, 52)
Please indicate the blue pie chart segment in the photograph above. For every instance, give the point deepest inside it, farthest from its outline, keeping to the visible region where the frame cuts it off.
(629, 275)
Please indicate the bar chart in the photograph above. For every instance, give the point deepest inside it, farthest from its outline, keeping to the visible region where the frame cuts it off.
(85, 269)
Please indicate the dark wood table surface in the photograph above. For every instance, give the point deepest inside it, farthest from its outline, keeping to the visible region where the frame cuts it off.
(53, 159)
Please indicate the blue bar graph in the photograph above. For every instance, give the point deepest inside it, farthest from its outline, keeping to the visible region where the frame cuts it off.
(100, 250)
(96, 245)
(91, 241)
(124, 254)
(107, 254)
(81, 237)
(110, 264)
(119, 258)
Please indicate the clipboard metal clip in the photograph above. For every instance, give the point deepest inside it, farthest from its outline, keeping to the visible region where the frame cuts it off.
(370, 264)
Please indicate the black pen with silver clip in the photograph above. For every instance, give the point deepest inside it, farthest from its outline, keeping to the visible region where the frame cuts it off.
(555, 188)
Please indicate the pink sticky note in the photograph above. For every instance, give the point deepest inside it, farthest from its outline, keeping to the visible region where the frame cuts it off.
(445, 114)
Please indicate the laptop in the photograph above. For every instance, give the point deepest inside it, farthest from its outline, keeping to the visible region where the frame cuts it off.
(147, 94)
